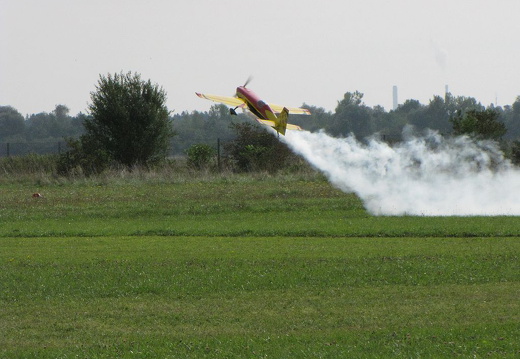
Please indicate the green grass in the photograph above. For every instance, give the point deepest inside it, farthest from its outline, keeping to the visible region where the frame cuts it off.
(248, 267)
(236, 206)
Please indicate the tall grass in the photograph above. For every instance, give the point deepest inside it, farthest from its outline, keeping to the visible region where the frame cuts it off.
(41, 169)
(28, 168)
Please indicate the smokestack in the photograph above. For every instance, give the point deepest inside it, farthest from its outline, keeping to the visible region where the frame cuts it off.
(395, 98)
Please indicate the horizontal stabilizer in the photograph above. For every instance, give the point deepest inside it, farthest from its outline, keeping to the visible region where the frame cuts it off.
(266, 122)
(292, 110)
(273, 124)
(290, 126)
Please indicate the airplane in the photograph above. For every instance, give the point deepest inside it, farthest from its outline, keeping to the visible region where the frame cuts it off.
(265, 113)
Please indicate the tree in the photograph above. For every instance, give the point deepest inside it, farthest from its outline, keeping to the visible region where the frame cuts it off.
(204, 127)
(129, 120)
(11, 122)
(515, 152)
(409, 106)
(61, 112)
(516, 108)
(254, 149)
(317, 120)
(40, 126)
(434, 116)
(481, 124)
(395, 120)
(512, 119)
(463, 103)
(351, 116)
(53, 126)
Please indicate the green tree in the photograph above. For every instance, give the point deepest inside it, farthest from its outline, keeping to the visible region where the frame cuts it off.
(483, 124)
(204, 127)
(434, 116)
(129, 120)
(53, 126)
(462, 103)
(62, 121)
(61, 112)
(254, 149)
(317, 120)
(41, 126)
(11, 122)
(351, 116)
(516, 108)
(512, 119)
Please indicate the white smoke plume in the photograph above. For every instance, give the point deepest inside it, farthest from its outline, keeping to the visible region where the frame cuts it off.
(427, 175)
(440, 55)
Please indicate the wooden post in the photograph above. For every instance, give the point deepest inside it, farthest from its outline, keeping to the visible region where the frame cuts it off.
(218, 154)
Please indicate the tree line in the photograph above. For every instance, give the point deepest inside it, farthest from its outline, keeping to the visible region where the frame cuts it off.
(449, 115)
(350, 116)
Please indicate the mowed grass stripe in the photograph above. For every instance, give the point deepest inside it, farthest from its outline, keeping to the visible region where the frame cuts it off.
(239, 207)
(78, 267)
(243, 297)
(332, 315)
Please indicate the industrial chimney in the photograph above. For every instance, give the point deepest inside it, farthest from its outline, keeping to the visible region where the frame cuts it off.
(396, 103)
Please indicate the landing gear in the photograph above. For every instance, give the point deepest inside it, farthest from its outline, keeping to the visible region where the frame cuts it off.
(232, 111)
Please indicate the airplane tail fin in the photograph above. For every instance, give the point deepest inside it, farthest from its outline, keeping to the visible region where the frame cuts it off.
(279, 123)
(281, 126)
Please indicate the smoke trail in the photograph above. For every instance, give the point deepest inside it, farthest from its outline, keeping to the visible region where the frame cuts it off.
(427, 175)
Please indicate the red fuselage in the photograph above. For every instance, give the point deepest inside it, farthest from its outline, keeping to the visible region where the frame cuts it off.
(258, 107)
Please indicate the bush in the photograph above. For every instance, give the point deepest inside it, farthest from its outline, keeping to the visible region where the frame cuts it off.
(254, 149)
(200, 155)
(83, 157)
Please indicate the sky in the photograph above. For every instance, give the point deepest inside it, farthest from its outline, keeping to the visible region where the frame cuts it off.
(297, 51)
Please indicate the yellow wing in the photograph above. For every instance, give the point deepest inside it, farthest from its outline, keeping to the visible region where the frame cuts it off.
(292, 110)
(232, 101)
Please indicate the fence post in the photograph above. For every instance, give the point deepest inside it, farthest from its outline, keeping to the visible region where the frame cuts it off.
(7, 149)
(218, 154)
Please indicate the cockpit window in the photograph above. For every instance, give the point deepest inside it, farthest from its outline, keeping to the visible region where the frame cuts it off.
(261, 103)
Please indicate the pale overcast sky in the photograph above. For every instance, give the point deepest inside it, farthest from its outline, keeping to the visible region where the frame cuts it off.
(298, 51)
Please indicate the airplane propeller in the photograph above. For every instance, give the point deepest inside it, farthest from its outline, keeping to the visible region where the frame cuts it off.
(248, 80)
(233, 111)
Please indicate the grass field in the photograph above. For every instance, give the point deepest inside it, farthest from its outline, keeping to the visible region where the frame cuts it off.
(250, 267)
